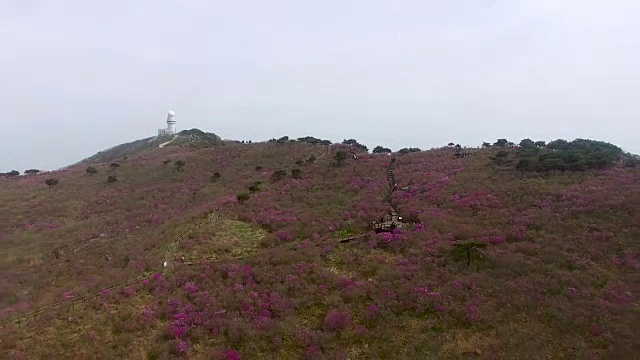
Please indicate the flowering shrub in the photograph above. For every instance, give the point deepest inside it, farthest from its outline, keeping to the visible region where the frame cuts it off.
(231, 354)
(148, 315)
(559, 252)
(371, 313)
(179, 327)
(183, 346)
(190, 287)
(393, 237)
(284, 236)
(472, 313)
(477, 200)
(337, 320)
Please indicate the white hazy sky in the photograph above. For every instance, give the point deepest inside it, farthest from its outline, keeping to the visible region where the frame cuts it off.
(80, 76)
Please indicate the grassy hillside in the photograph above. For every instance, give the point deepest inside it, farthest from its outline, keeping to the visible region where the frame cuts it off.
(194, 138)
(498, 263)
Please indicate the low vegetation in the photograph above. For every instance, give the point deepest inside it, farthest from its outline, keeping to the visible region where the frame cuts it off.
(497, 260)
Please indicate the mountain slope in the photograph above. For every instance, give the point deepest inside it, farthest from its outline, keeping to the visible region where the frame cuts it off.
(193, 137)
(499, 263)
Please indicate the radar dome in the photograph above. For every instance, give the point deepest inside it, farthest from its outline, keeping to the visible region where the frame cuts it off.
(171, 113)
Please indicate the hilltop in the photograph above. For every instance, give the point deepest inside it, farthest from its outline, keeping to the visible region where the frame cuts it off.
(193, 137)
(525, 251)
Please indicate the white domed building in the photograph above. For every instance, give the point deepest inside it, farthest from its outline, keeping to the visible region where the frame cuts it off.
(171, 125)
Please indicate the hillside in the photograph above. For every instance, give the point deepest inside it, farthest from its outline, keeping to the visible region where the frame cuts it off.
(497, 260)
(193, 137)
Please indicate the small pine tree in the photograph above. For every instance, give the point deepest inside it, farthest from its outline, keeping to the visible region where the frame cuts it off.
(255, 187)
(501, 143)
(499, 157)
(242, 197)
(179, 165)
(91, 170)
(278, 175)
(405, 151)
(464, 250)
(381, 150)
(296, 174)
(354, 142)
(340, 157)
(527, 143)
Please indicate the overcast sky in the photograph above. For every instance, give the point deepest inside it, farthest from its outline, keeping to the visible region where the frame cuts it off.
(80, 76)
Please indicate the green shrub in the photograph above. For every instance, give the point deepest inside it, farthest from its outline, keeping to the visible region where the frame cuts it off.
(278, 175)
(561, 155)
(91, 170)
(411, 218)
(527, 143)
(499, 157)
(354, 142)
(631, 161)
(255, 187)
(314, 141)
(340, 157)
(242, 197)
(179, 165)
(464, 251)
(381, 150)
(501, 143)
(404, 151)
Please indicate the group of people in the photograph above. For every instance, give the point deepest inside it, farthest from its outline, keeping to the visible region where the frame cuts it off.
(390, 177)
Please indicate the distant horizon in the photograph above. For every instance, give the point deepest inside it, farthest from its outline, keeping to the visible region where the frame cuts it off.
(295, 137)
